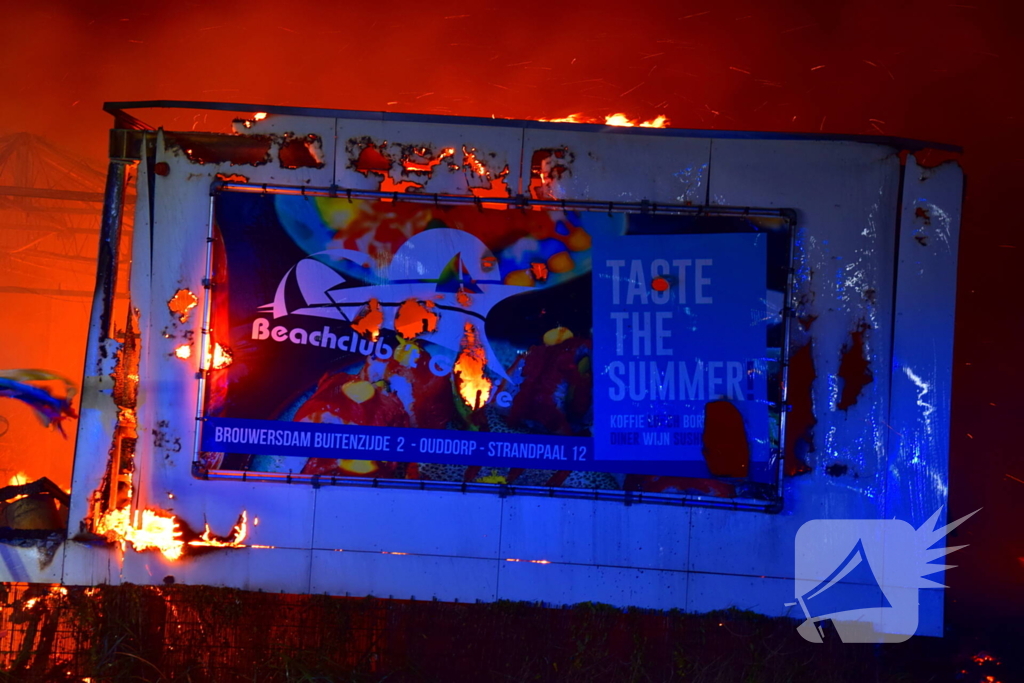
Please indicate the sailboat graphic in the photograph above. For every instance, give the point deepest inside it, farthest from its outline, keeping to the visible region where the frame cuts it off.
(851, 586)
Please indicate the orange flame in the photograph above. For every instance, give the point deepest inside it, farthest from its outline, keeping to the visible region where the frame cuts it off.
(238, 534)
(616, 119)
(470, 160)
(158, 530)
(219, 357)
(473, 386)
(428, 164)
(151, 530)
(258, 116)
(184, 351)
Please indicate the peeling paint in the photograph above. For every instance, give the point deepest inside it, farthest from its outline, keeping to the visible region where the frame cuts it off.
(418, 163)
(836, 470)
(547, 168)
(854, 368)
(213, 148)
(726, 447)
(414, 318)
(301, 151)
(800, 420)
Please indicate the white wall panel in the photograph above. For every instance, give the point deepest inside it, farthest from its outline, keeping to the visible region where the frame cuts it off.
(623, 166)
(425, 522)
(568, 584)
(420, 577)
(596, 532)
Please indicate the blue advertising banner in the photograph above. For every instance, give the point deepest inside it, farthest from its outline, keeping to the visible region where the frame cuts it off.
(681, 321)
(409, 340)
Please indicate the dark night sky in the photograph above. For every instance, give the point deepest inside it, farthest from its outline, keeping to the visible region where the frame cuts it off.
(946, 70)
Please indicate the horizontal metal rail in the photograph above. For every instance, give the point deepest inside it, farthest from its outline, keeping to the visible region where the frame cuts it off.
(518, 201)
(502, 490)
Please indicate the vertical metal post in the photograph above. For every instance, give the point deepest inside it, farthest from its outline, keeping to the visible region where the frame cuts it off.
(110, 243)
(101, 316)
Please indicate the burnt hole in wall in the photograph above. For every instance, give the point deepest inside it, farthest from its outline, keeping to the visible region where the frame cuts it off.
(800, 418)
(301, 151)
(422, 159)
(213, 148)
(725, 446)
(836, 470)
(182, 303)
(547, 167)
(854, 368)
(922, 220)
(366, 156)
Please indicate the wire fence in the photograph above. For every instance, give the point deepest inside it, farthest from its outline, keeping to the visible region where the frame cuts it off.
(200, 634)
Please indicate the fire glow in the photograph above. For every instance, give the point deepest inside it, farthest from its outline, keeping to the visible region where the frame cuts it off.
(616, 119)
(157, 530)
(219, 357)
(238, 534)
(473, 386)
(145, 530)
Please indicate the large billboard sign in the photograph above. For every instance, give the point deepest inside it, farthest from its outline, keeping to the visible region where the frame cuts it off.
(411, 340)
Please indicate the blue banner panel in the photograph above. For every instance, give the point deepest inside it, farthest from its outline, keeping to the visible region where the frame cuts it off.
(681, 321)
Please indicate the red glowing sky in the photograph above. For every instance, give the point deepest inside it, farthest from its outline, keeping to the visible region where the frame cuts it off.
(941, 70)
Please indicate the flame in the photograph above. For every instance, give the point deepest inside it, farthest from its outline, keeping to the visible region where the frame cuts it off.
(157, 530)
(616, 119)
(219, 357)
(428, 164)
(18, 479)
(470, 160)
(184, 351)
(258, 116)
(149, 530)
(238, 534)
(473, 386)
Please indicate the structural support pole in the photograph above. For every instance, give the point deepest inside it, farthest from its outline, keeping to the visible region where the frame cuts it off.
(107, 260)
